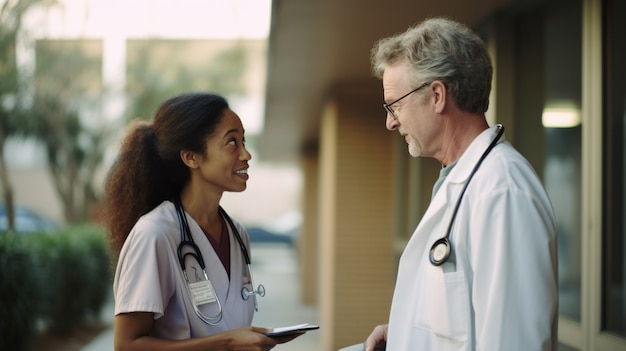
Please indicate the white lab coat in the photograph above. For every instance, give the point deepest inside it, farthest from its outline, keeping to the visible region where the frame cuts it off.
(499, 290)
(149, 277)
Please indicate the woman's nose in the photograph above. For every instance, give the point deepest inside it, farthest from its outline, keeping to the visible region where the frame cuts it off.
(245, 154)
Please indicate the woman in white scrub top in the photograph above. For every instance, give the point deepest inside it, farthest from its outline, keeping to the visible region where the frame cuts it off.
(190, 153)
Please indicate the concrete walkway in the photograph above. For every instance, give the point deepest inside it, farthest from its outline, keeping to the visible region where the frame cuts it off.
(275, 266)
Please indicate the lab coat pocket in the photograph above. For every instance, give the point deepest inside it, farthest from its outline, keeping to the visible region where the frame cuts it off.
(444, 309)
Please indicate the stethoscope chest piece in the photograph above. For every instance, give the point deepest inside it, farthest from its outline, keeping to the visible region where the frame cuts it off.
(440, 251)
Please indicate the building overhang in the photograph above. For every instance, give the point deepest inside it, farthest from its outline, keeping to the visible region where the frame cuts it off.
(315, 45)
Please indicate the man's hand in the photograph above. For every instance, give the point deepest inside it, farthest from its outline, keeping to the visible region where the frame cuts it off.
(377, 339)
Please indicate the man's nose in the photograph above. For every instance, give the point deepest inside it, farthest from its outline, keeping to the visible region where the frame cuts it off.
(391, 123)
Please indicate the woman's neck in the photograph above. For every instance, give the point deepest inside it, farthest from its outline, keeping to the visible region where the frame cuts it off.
(204, 210)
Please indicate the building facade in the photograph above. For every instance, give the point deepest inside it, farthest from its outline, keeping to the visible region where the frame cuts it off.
(559, 88)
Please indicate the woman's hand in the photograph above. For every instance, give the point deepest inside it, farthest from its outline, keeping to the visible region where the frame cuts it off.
(132, 332)
(253, 339)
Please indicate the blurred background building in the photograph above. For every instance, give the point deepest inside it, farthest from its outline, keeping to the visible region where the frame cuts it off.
(109, 62)
(324, 162)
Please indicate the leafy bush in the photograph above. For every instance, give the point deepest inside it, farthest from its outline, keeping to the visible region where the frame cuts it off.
(59, 280)
(20, 289)
(98, 281)
(81, 282)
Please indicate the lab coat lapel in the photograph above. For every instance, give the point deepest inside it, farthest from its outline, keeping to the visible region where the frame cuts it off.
(431, 226)
(434, 220)
(470, 157)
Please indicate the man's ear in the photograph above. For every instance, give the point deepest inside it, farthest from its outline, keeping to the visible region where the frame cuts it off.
(189, 158)
(440, 94)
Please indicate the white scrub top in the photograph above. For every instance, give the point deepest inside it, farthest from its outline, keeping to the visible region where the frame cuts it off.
(498, 291)
(149, 277)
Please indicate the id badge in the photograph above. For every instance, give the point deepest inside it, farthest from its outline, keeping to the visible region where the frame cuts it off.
(202, 292)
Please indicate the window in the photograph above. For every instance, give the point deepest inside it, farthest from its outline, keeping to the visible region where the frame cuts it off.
(614, 170)
(548, 126)
(561, 119)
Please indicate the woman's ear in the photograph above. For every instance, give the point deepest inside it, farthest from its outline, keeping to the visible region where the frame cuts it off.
(440, 94)
(189, 158)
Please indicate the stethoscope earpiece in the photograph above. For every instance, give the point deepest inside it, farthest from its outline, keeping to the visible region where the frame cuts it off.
(440, 251)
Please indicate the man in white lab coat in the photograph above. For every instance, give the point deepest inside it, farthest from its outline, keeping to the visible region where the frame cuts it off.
(483, 277)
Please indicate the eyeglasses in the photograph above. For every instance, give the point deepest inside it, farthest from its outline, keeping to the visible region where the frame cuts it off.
(387, 107)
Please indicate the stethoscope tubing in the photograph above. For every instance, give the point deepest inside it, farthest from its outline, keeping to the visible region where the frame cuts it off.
(245, 293)
(187, 240)
(244, 250)
(441, 249)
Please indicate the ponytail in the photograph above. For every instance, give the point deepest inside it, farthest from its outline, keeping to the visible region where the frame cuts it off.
(136, 183)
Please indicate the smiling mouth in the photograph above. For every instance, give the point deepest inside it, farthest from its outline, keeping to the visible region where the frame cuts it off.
(241, 171)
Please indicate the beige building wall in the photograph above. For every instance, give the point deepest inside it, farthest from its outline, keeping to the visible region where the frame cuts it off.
(308, 240)
(356, 256)
(346, 304)
(34, 190)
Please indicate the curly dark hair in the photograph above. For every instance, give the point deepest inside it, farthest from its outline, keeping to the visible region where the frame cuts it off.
(148, 169)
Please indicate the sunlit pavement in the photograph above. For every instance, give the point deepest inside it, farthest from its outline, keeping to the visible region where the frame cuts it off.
(274, 266)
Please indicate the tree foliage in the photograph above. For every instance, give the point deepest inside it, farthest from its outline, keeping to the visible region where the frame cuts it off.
(62, 110)
(159, 69)
(67, 115)
(12, 121)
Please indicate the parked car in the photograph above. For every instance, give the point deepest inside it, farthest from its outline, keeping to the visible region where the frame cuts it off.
(26, 221)
(258, 234)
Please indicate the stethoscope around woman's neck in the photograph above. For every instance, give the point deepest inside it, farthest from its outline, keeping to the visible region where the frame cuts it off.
(203, 290)
(441, 249)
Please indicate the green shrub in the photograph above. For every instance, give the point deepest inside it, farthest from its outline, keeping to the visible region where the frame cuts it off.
(20, 287)
(80, 276)
(95, 273)
(60, 279)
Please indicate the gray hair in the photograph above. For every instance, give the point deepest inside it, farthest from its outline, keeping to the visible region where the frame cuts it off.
(441, 49)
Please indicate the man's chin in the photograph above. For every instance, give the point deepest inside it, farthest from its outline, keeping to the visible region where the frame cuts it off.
(414, 151)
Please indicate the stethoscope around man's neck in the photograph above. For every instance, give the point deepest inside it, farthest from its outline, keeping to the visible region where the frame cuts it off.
(441, 249)
(187, 240)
